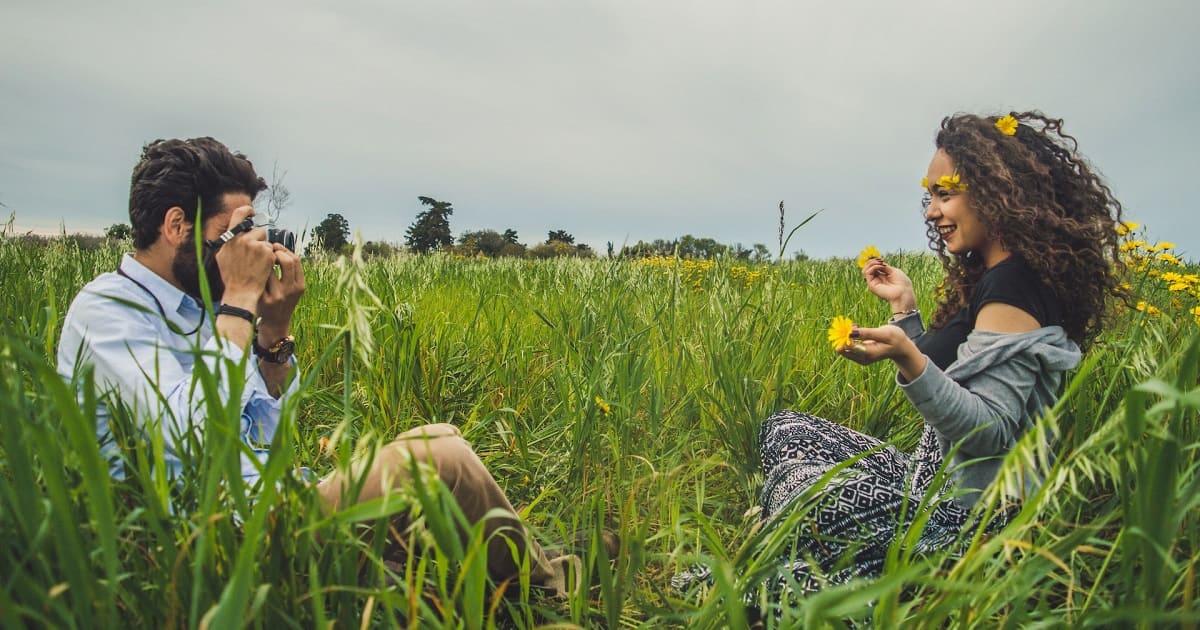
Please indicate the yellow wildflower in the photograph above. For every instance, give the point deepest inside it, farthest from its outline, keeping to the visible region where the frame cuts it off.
(1131, 245)
(604, 407)
(839, 332)
(1007, 125)
(953, 183)
(1165, 245)
(1196, 313)
(1167, 258)
(1148, 309)
(865, 256)
(924, 183)
(1125, 227)
(1179, 286)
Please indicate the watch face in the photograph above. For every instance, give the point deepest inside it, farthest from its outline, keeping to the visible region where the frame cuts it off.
(278, 353)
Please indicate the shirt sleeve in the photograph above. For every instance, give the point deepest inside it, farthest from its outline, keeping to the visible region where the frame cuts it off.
(129, 354)
(984, 412)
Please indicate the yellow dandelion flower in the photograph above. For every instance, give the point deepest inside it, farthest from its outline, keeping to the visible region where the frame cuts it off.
(1165, 245)
(952, 183)
(604, 407)
(1131, 245)
(865, 256)
(1179, 286)
(839, 332)
(1148, 309)
(1125, 286)
(1196, 313)
(924, 183)
(1125, 227)
(1167, 258)
(1007, 125)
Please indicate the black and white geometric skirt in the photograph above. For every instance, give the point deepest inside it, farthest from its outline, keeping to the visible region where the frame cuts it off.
(853, 518)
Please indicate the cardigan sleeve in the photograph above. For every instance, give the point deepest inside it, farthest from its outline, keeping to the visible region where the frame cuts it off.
(985, 411)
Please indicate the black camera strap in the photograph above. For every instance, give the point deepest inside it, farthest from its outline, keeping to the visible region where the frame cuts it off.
(170, 324)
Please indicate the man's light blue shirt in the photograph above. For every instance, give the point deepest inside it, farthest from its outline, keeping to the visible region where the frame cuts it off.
(115, 326)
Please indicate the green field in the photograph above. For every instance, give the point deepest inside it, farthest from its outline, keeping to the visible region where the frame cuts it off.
(601, 393)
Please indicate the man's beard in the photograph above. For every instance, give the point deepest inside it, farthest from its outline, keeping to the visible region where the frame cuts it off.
(187, 272)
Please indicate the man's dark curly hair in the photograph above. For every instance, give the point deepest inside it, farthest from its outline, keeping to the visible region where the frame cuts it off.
(183, 173)
(1039, 197)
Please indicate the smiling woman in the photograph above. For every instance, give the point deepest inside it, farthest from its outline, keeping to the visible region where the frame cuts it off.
(1027, 236)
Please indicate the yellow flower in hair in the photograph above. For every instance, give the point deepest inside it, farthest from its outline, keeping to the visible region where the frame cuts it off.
(924, 183)
(865, 256)
(839, 332)
(1007, 125)
(952, 183)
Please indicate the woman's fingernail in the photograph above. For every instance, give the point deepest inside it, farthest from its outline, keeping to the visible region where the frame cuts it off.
(854, 334)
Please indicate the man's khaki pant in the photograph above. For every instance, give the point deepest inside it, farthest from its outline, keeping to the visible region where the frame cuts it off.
(442, 447)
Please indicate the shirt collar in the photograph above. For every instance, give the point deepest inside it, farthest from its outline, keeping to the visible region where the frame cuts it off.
(173, 300)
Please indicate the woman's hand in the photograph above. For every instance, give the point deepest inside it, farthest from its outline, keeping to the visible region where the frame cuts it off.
(886, 342)
(890, 284)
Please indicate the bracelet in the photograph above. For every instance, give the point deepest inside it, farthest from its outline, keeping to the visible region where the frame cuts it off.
(911, 311)
(225, 309)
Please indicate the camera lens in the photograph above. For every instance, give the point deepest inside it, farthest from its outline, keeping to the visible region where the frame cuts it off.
(287, 238)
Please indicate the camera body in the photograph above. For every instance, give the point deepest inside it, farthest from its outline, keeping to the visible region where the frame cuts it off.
(287, 238)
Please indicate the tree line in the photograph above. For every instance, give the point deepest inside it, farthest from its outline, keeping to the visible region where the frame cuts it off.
(430, 232)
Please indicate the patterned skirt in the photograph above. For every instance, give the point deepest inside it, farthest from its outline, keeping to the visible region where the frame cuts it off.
(851, 521)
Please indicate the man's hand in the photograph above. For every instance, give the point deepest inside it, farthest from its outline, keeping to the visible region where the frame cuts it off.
(890, 284)
(279, 300)
(245, 263)
(886, 342)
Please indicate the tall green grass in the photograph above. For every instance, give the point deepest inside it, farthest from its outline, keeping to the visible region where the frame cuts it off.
(521, 355)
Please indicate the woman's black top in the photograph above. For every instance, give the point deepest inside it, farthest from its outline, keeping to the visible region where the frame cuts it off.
(1010, 281)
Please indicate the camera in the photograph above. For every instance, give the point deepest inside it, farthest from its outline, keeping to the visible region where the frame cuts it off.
(287, 238)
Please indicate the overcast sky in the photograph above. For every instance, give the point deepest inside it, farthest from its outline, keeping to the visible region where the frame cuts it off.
(613, 120)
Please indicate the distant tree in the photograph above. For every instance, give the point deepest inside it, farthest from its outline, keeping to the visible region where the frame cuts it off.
(761, 254)
(561, 236)
(487, 242)
(378, 249)
(431, 230)
(510, 235)
(693, 247)
(278, 196)
(330, 235)
(118, 232)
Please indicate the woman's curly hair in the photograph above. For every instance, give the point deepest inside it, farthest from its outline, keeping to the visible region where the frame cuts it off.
(1038, 196)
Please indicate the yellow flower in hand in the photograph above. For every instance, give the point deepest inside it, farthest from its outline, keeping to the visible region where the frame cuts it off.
(865, 256)
(839, 332)
(1007, 125)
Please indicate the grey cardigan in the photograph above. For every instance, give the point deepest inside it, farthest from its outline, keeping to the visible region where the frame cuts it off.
(989, 397)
